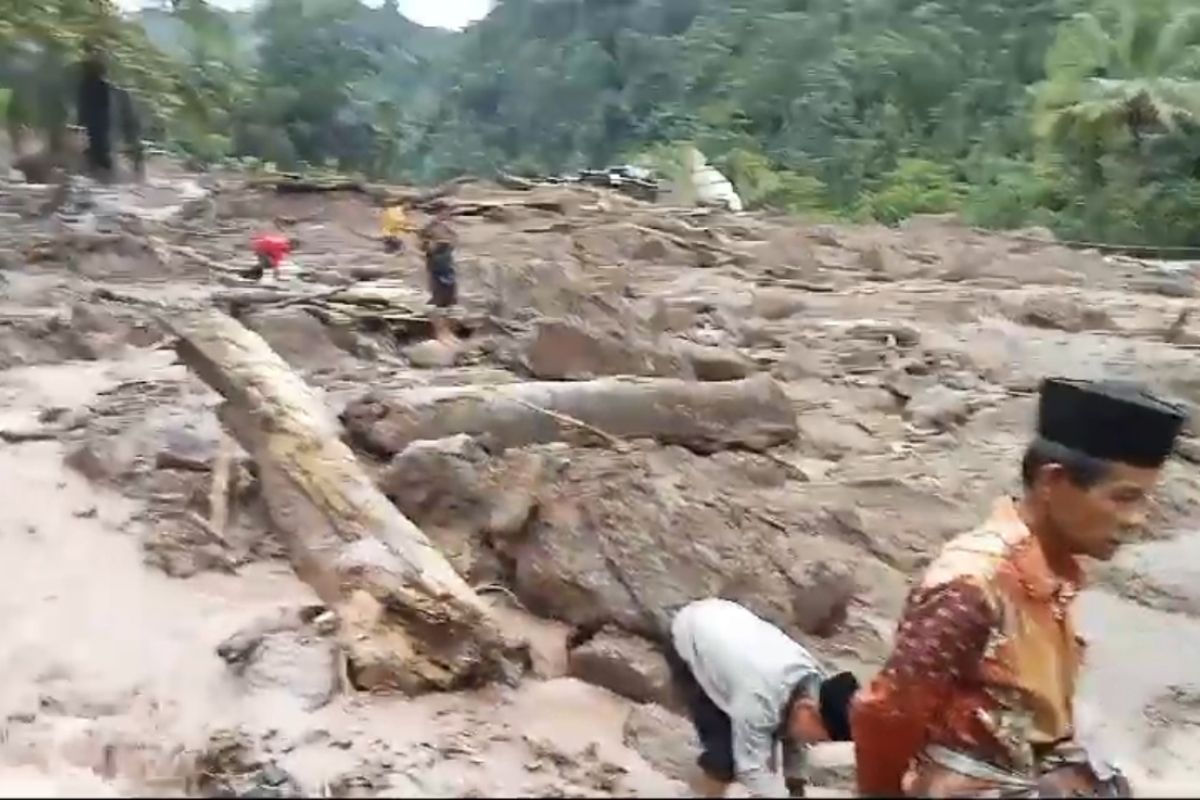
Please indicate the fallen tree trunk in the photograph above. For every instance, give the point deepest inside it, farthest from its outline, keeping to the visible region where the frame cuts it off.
(407, 620)
(753, 413)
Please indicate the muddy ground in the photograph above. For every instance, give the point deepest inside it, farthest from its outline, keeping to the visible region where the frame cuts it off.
(908, 358)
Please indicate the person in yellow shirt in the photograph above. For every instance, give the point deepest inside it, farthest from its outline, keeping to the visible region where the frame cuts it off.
(394, 225)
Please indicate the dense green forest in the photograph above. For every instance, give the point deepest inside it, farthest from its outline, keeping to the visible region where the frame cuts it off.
(1078, 115)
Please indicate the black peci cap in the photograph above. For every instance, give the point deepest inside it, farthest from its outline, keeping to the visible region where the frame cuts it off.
(836, 694)
(1109, 420)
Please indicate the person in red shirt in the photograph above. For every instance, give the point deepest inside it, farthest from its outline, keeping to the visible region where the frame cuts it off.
(271, 249)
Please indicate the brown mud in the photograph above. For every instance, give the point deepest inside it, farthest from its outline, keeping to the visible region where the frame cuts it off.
(908, 357)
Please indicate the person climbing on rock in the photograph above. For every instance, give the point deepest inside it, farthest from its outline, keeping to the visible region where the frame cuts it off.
(437, 242)
(757, 698)
(270, 250)
(976, 698)
(394, 226)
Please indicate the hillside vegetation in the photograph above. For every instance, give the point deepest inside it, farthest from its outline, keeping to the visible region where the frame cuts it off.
(1078, 115)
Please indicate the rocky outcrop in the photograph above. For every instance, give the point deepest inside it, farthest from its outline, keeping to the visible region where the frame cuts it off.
(628, 665)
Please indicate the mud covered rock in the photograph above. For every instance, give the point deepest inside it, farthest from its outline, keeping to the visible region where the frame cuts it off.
(939, 407)
(230, 766)
(297, 336)
(628, 538)
(101, 331)
(828, 437)
(715, 363)
(290, 653)
(666, 740)
(628, 665)
(569, 350)
(431, 354)
(446, 487)
(1062, 313)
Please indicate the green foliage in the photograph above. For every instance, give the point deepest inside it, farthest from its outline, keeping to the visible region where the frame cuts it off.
(915, 186)
(1082, 115)
(763, 185)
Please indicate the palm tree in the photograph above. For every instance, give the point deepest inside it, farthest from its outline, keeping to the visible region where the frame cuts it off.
(1128, 68)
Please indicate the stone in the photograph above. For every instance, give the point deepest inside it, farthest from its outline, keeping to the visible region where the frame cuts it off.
(185, 447)
(1062, 313)
(828, 437)
(821, 597)
(903, 334)
(432, 354)
(667, 741)
(939, 407)
(565, 350)
(627, 665)
(297, 662)
(716, 363)
(628, 538)
(443, 486)
(297, 336)
(776, 304)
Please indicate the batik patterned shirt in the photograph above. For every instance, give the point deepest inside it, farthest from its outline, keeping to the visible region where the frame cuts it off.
(985, 660)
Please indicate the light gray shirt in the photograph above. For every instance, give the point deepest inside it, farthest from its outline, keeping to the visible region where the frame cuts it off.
(750, 669)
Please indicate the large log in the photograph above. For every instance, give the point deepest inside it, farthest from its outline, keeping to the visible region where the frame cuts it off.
(407, 620)
(753, 413)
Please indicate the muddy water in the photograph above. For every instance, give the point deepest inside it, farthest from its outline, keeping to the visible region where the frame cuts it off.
(111, 677)
(1139, 696)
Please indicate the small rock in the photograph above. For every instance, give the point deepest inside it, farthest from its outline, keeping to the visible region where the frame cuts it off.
(652, 248)
(186, 448)
(625, 664)
(716, 363)
(826, 235)
(432, 354)
(939, 407)
(85, 513)
(884, 332)
(821, 597)
(775, 304)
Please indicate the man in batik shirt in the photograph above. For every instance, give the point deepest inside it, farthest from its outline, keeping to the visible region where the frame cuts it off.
(976, 699)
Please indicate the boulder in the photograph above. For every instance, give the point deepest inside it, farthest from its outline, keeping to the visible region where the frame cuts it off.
(821, 597)
(431, 354)
(297, 336)
(628, 538)
(716, 363)
(302, 665)
(445, 487)
(569, 350)
(1061, 313)
(939, 407)
(667, 741)
(628, 665)
(776, 304)
(828, 437)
